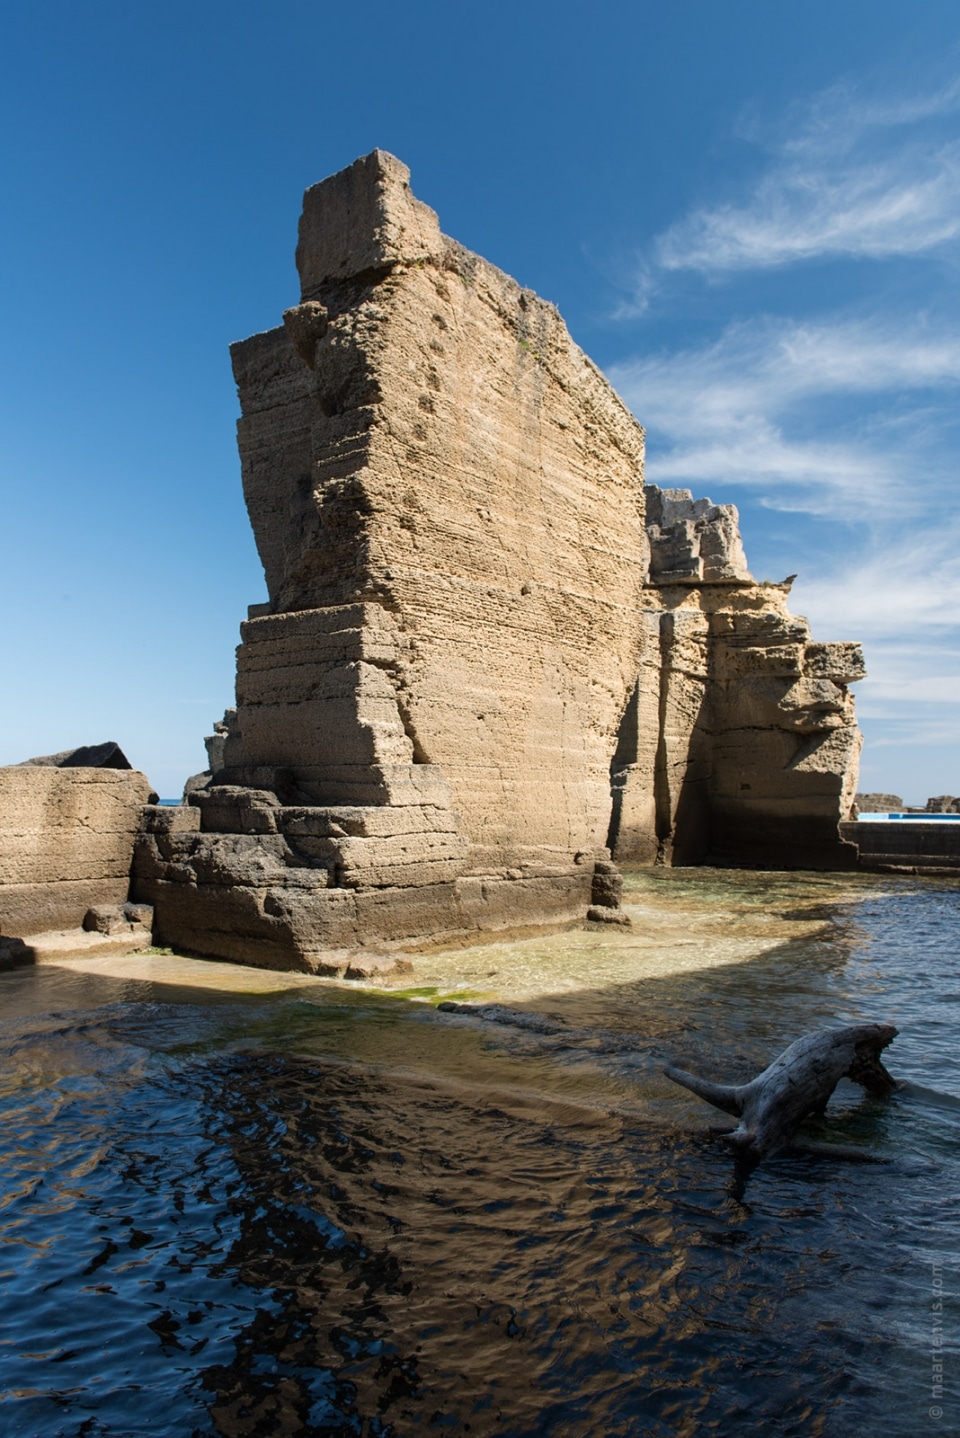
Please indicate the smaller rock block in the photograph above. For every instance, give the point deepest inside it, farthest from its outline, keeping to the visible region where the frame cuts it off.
(377, 966)
(878, 803)
(15, 954)
(119, 919)
(363, 218)
(67, 835)
(170, 819)
(599, 914)
(232, 809)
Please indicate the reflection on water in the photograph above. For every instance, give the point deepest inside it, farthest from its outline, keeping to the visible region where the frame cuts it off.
(318, 1211)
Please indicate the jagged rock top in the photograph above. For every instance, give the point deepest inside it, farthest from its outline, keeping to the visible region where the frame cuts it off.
(364, 218)
(693, 540)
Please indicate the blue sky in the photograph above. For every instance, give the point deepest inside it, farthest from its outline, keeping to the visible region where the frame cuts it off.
(748, 213)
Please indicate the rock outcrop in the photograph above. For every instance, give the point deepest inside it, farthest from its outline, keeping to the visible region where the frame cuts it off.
(892, 803)
(108, 755)
(448, 503)
(877, 803)
(739, 744)
(66, 840)
(446, 495)
(692, 539)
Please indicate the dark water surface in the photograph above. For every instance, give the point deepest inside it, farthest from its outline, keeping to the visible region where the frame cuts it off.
(332, 1212)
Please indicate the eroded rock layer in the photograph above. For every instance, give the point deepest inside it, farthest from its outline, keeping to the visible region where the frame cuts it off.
(740, 743)
(447, 499)
(66, 841)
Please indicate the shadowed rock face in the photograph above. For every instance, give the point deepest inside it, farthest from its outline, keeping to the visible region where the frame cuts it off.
(89, 756)
(740, 743)
(447, 498)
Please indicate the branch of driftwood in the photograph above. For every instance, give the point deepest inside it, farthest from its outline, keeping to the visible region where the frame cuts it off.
(795, 1085)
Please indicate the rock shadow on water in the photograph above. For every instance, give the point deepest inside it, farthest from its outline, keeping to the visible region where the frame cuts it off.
(432, 1260)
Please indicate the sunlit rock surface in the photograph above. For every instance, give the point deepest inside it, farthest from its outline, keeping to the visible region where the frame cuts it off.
(447, 499)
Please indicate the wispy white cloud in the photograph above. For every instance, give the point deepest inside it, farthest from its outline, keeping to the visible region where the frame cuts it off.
(851, 417)
(911, 702)
(837, 117)
(904, 593)
(901, 205)
(747, 410)
(850, 175)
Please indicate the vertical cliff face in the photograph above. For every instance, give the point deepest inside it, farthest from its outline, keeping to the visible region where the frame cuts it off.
(447, 498)
(424, 440)
(749, 751)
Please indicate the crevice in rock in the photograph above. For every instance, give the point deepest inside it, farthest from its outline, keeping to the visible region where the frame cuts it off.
(420, 755)
(625, 754)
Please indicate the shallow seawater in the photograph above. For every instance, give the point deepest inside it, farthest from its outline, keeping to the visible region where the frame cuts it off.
(318, 1210)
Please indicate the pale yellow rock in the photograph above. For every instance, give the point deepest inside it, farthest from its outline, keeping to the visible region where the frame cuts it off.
(449, 509)
(66, 843)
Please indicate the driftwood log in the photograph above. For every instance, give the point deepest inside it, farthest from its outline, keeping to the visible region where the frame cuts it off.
(796, 1084)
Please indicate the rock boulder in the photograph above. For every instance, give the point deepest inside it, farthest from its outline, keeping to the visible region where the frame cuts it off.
(66, 842)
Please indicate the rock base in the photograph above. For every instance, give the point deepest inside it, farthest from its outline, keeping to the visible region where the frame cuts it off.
(294, 921)
(70, 943)
(299, 882)
(136, 919)
(599, 914)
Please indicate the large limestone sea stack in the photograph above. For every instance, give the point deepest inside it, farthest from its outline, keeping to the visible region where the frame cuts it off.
(468, 681)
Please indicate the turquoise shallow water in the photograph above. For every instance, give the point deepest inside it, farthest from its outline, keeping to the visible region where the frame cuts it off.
(336, 1212)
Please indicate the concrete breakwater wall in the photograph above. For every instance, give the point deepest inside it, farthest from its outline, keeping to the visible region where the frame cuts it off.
(908, 846)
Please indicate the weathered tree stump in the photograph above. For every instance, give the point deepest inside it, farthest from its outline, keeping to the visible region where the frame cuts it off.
(796, 1084)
